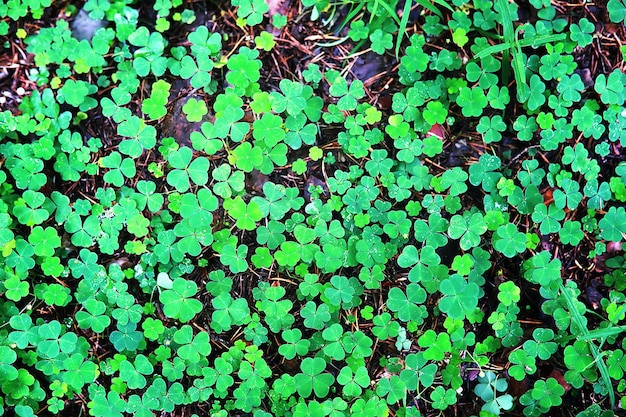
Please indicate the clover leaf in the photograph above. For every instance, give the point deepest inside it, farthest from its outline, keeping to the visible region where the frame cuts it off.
(523, 364)
(612, 225)
(178, 302)
(548, 393)
(315, 316)
(442, 398)
(76, 94)
(581, 32)
(149, 56)
(195, 109)
(348, 95)
(133, 373)
(611, 88)
(28, 208)
(295, 344)
(228, 312)
(198, 71)
(120, 168)
(313, 379)
(44, 241)
(509, 241)
(408, 304)
(154, 106)
(571, 87)
(418, 371)
(192, 347)
(141, 136)
(542, 269)
(126, 337)
(491, 128)
(617, 11)
(488, 388)
(460, 297)
(393, 388)
(187, 169)
(228, 182)
(472, 101)
(468, 229)
(381, 41)
(235, 258)
(245, 215)
(353, 382)
(436, 345)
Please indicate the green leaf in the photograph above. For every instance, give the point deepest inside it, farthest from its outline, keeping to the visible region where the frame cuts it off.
(141, 136)
(126, 337)
(229, 312)
(192, 348)
(443, 398)
(612, 225)
(409, 306)
(295, 344)
(418, 372)
(195, 109)
(313, 379)
(178, 302)
(44, 241)
(235, 259)
(582, 31)
(617, 11)
(315, 316)
(460, 297)
(246, 215)
(75, 92)
(154, 106)
(119, 168)
(436, 345)
(509, 241)
(381, 41)
(467, 228)
(472, 101)
(353, 382)
(570, 87)
(268, 129)
(523, 364)
(393, 388)
(542, 269)
(187, 168)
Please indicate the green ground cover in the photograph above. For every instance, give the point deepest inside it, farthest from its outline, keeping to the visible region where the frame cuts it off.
(312, 209)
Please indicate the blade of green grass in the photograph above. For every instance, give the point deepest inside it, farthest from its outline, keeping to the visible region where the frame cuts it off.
(601, 334)
(509, 38)
(403, 22)
(597, 355)
(535, 42)
(430, 6)
(391, 13)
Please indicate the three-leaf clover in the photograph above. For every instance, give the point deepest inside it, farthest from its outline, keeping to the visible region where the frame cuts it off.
(313, 379)
(195, 109)
(460, 297)
(408, 304)
(509, 241)
(245, 215)
(192, 347)
(353, 381)
(142, 136)
(154, 106)
(187, 169)
(472, 101)
(467, 228)
(178, 302)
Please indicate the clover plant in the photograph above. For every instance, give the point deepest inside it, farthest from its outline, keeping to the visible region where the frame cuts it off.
(195, 220)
